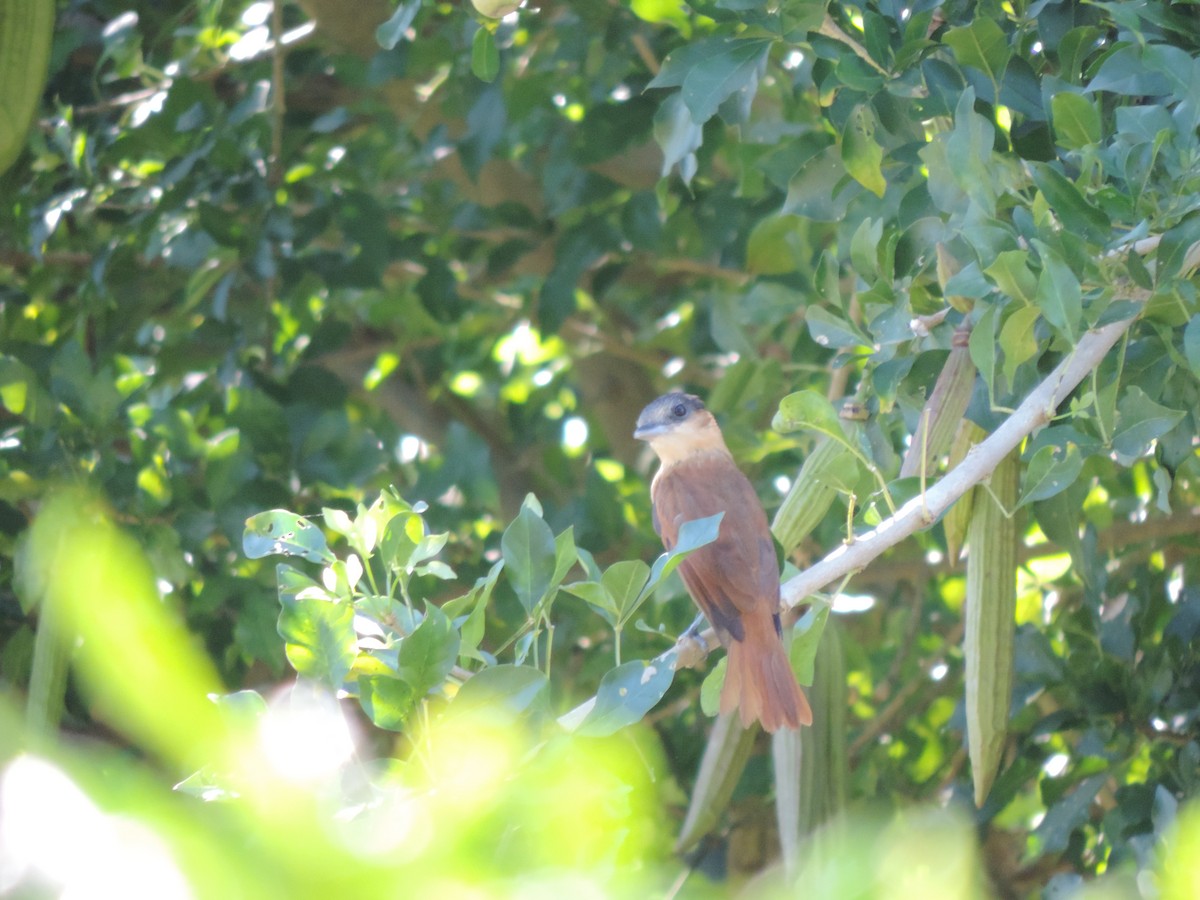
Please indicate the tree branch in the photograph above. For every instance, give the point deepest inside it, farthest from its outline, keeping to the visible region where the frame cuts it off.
(922, 511)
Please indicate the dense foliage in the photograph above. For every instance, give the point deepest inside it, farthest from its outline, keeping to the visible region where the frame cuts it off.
(327, 324)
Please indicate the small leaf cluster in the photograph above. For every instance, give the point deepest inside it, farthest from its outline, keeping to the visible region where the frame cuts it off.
(359, 630)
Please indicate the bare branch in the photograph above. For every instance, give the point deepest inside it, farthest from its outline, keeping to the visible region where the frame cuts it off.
(922, 511)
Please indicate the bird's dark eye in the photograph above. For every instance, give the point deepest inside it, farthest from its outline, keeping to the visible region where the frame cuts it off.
(679, 410)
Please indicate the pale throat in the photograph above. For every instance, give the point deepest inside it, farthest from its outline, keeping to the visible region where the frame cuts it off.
(688, 444)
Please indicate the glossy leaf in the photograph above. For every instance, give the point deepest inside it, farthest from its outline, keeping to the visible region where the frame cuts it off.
(1069, 205)
(808, 410)
(1018, 341)
(485, 56)
(320, 639)
(1059, 294)
(1076, 120)
(1050, 471)
(1141, 420)
(387, 701)
(530, 557)
(981, 45)
(693, 534)
(861, 154)
(429, 653)
(709, 72)
(626, 694)
(504, 690)
(279, 532)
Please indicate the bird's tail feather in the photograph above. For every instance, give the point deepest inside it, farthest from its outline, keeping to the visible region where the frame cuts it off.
(760, 683)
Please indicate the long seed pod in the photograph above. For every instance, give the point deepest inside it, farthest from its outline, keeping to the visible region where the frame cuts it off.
(26, 27)
(830, 464)
(990, 622)
(943, 412)
(958, 516)
(725, 758)
(811, 495)
(824, 766)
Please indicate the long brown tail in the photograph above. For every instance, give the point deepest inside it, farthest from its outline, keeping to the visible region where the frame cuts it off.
(759, 680)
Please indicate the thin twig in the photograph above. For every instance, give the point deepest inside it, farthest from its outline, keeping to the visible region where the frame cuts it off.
(831, 29)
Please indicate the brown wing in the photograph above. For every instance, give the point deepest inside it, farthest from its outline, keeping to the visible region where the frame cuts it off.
(737, 573)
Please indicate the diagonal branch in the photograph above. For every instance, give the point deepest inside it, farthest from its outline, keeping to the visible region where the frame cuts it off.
(1036, 410)
(922, 511)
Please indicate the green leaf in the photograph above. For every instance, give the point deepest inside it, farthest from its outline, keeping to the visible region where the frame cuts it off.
(1074, 49)
(21, 394)
(296, 585)
(864, 248)
(982, 45)
(428, 546)
(429, 653)
(1176, 244)
(391, 32)
(679, 136)
(1075, 213)
(822, 189)
(1070, 812)
(473, 628)
(401, 537)
(338, 521)
(624, 581)
(387, 700)
(485, 56)
(833, 331)
(1139, 422)
(969, 154)
(808, 410)
(1011, 273)
(504, 690)
(566, 554)
(279, 532)
(1059, 295)
(661, 12)
(1191, 344)
(1124, 72)
(828, 283)
(710, 688)
(594, 595)
(861, 154)
(625, 695)
(710, 71)
(693, 534)
(982, 346)
(530, 557)
(803, 15)
(1076, 120)
(1017, 340)
(806, 641)
(1050, 471)
(776, 246)
(320, 639)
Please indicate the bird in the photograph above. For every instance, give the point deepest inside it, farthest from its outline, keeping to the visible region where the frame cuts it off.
(735, 579)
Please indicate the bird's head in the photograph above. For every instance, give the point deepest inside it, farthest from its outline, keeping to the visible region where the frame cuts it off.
(677, 425)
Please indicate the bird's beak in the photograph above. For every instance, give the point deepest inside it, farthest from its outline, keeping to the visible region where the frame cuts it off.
(649, 432)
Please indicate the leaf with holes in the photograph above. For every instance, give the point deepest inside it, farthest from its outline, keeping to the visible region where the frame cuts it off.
(283, 533)
(626, 694)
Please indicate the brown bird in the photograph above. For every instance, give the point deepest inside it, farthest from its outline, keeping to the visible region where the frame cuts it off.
(735, 579)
